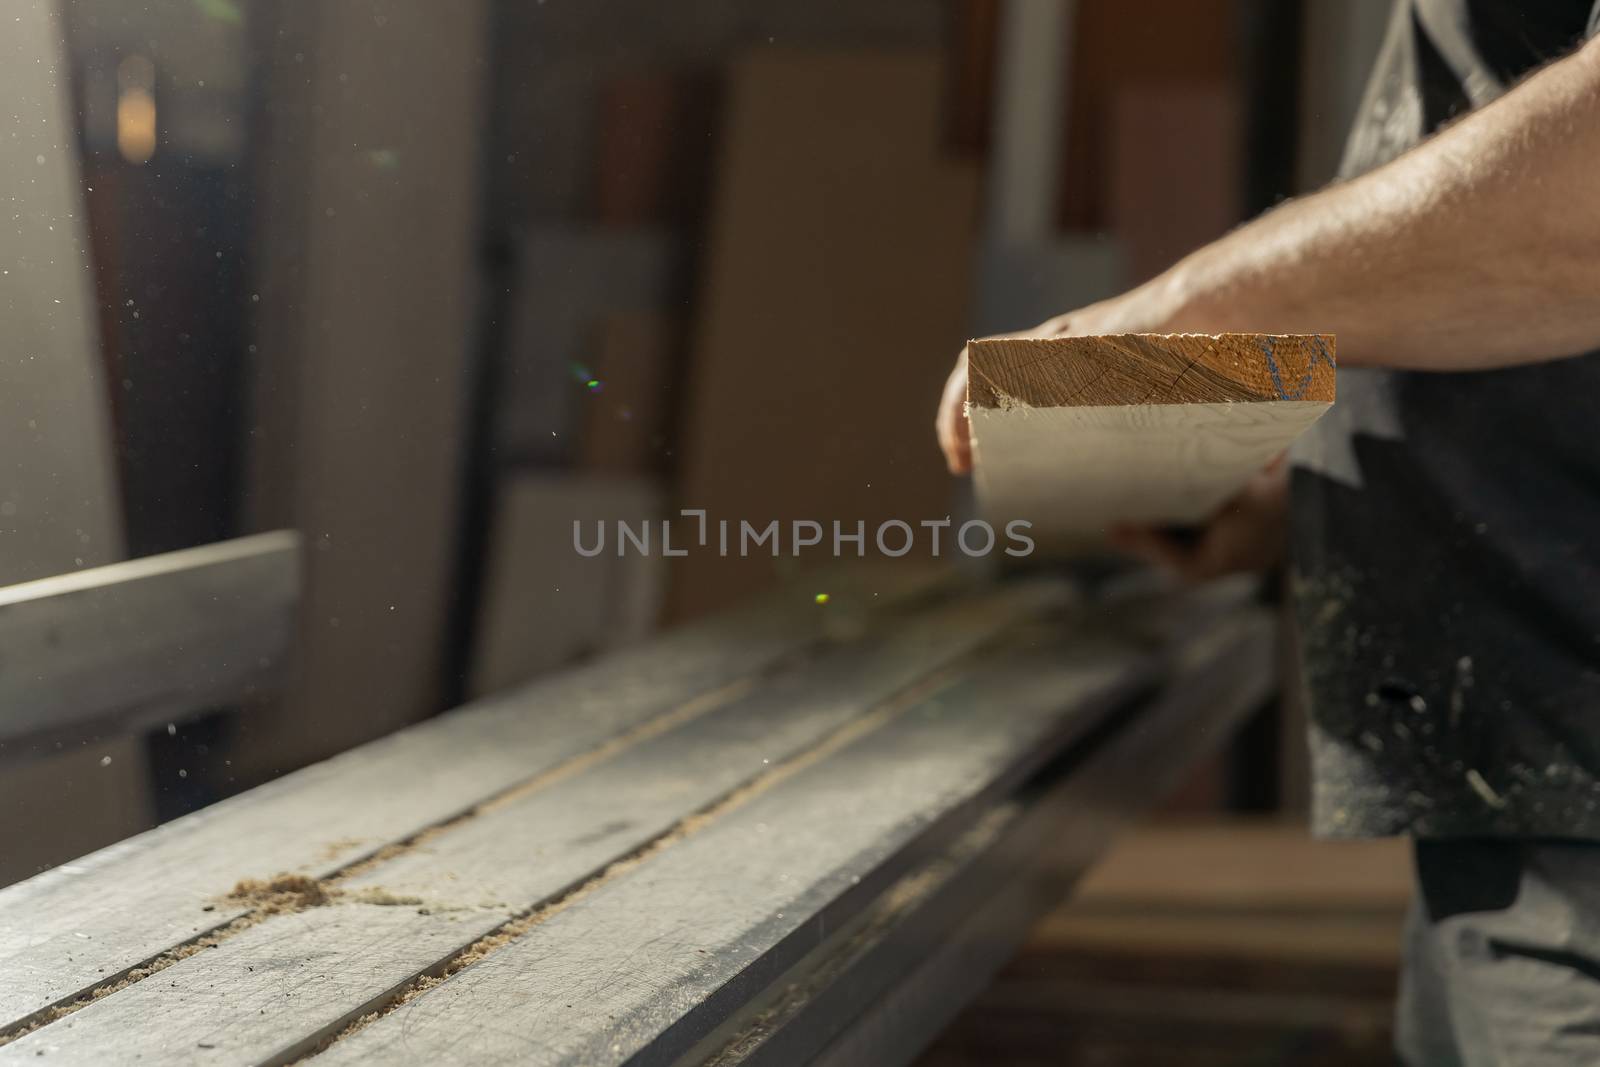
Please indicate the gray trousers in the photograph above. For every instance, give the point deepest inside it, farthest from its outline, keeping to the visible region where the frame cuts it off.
(1502, 955)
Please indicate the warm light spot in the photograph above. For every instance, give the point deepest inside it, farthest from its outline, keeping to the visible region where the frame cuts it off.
(136, 109)
(136, 125)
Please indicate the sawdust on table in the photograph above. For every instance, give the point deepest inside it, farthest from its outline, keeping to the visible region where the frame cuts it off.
(281, 893)
(297, 892)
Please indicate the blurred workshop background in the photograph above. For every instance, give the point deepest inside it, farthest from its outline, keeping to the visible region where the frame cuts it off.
(429, 281)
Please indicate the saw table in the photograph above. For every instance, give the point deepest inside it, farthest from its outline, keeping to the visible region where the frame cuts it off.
(804, 833)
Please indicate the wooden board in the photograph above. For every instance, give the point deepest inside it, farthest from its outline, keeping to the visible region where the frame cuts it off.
(1075, 433)
(1247, 864)
(463, 885)
(89, 922)
(1253, 888)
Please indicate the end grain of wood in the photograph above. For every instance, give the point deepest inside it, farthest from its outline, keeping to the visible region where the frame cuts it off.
(1128, 369)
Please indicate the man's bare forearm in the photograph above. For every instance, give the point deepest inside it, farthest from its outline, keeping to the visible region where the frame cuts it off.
(1480, 248)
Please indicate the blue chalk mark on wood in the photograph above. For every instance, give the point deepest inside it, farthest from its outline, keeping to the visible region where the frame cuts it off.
(1321, 355)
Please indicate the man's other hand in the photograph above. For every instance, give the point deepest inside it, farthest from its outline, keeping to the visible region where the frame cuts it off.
(955, 432)
(1248, 533)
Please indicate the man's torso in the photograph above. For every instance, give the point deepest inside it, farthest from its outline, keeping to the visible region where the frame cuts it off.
(1446, 571)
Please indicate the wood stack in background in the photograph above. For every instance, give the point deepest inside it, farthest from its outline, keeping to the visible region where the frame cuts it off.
(1205, 943)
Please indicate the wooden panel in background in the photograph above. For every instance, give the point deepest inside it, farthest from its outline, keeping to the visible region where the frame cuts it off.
(1246, 863)
(1074, 433)
(834, 297)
